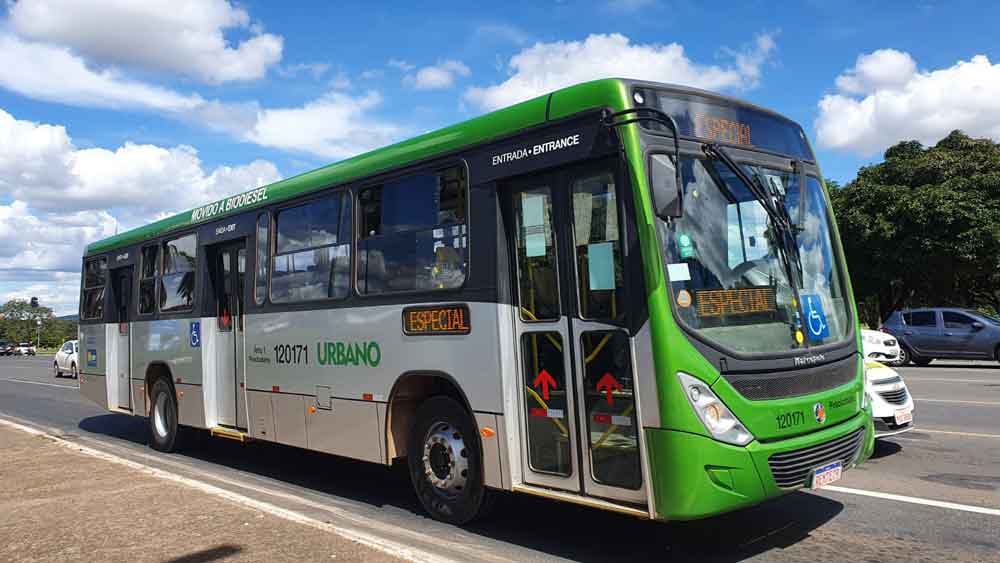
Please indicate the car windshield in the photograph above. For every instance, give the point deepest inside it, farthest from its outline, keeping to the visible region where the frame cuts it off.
(991, 317)
(726, 276)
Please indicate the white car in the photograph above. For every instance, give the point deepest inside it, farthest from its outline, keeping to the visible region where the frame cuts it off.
(66, 359)
(880, 347)
(892, 406)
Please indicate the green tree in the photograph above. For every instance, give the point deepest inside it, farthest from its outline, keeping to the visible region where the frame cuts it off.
(19, 323)
(18, 320)
(922, 228)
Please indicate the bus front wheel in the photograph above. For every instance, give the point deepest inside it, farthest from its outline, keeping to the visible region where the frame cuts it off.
(445, 462)
(163, 417)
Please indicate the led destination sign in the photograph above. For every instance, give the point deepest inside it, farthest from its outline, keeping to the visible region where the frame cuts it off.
(436, 319)
(726, 302)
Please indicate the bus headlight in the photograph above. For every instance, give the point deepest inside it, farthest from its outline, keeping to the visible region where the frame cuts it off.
(717, 418)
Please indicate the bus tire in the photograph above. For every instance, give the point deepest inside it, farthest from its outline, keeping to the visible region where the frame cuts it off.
(445, 462)
(163, 417)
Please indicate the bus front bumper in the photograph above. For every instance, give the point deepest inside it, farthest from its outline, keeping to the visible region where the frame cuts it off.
(694, 476)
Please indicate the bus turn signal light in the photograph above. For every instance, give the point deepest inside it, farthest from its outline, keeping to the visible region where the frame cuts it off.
(488, 432)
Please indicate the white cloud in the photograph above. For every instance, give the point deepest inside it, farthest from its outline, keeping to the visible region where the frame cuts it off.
(400, 65)
(58, 290)
(884, 99)
(40, 165)
(332, 126)
(439, 76)
(317, 70)
(545, 67)
(60, 197)
(502, 32)
(54, 74)
(180, 36)
(336, 126)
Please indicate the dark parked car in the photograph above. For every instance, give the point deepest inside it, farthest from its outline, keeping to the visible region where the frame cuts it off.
(940, 332)
(6, 348)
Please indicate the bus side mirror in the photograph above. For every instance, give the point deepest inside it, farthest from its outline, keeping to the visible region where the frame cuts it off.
(667, 185)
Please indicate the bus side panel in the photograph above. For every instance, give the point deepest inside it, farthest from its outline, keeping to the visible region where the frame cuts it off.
(347, 428)
(168, 341)
(360, 353)
(93, 363)
(353, 358)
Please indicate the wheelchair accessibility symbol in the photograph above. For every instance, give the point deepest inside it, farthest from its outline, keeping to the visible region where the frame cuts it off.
(195, 332)
(817, 327)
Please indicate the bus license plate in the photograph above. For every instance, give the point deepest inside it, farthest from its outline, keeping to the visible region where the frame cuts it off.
(827, 475)
(903, 416)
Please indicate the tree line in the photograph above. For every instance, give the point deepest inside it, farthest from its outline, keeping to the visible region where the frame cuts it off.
(19, 323)
(922, 228)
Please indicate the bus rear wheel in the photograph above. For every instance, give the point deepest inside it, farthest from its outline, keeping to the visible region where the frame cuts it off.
(163, 417)
(445, 462)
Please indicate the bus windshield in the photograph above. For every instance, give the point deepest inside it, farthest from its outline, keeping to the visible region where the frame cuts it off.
(727, 281)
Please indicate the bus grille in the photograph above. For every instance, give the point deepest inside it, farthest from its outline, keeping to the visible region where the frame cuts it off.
(897, 397)
(791, 469)
(760, 387)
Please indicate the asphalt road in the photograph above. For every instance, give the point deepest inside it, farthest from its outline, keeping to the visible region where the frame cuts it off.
(953, 457)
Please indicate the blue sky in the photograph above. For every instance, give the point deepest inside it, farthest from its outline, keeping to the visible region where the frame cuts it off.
(121, 111)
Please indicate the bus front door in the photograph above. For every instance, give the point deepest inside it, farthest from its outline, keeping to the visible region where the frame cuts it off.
(571, 320)
(121, 280)
(228, 272)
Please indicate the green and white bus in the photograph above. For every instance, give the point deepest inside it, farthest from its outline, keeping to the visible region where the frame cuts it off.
(622, 294)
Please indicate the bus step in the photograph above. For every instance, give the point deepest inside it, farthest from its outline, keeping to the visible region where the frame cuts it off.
(230, 434)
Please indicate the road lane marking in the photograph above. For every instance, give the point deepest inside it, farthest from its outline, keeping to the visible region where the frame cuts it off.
(973, 434)
(912, 379)
(987, 403)
(39, 383)
(386, 546)
(914, 500)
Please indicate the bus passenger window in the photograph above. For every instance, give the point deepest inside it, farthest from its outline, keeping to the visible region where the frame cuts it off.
(180, 259)
(147, 280)
(95, 278)
(414, 235)
(263, 257)
(312, 256)
(598, 251)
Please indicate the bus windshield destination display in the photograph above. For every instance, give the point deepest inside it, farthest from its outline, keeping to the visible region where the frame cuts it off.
(724, 302)
(438, 319)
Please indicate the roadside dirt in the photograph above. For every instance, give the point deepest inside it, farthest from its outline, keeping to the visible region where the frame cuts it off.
(58, 505)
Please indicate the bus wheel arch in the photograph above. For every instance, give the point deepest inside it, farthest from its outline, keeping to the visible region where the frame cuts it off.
(408, 393)
(162, 407)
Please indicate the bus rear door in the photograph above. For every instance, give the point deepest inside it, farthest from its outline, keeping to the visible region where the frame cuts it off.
(121, 280)
(228, 272)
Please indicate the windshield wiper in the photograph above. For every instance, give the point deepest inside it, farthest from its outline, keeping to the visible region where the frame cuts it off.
(787, 247)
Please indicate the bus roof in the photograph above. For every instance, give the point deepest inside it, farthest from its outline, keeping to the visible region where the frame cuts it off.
(610, 92)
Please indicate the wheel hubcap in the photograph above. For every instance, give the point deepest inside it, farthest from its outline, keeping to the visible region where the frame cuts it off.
(446, 461)
(160, 416)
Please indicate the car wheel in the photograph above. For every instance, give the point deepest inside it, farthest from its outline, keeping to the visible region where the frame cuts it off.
(72, 371)
(922, 361)
(163, 417)
(445, 462)
(56, 370)
(903, 359)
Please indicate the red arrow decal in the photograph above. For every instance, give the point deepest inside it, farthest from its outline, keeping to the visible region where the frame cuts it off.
(608, 384)
(546, 381)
